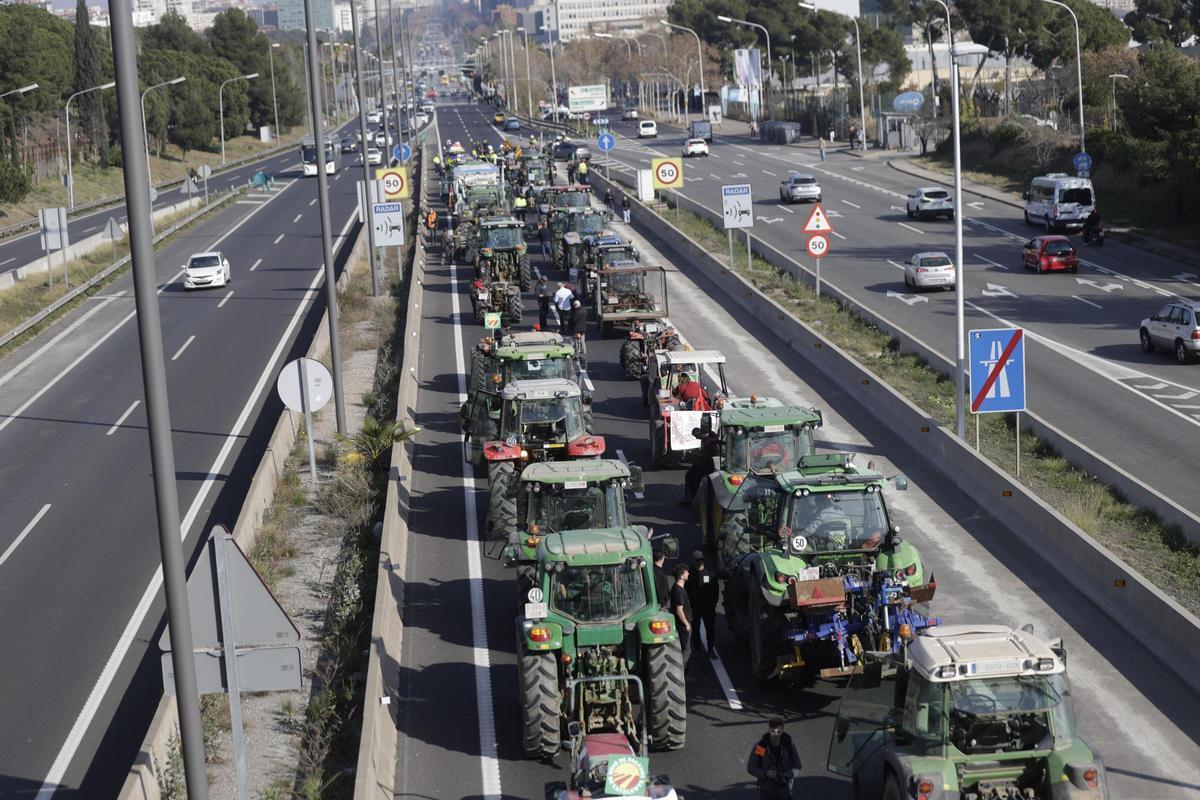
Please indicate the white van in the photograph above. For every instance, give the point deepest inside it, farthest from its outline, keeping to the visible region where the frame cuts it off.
(1059, 201)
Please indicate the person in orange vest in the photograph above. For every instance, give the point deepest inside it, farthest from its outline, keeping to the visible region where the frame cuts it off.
(431, 220)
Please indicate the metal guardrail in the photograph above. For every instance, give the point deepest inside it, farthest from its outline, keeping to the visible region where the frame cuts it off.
(100, 276)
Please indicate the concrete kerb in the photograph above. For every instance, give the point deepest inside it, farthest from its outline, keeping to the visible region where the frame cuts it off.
(375, 776)
(142, 782)
(1161, 624)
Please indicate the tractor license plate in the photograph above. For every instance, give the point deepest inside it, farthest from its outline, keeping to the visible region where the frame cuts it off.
(483, 295)
(536, 611)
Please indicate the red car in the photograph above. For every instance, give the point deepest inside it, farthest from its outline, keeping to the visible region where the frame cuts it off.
(1045, 253)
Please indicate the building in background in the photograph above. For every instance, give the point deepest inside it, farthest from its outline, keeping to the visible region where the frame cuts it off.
(291, 14)
(580, 16)
(264, 16)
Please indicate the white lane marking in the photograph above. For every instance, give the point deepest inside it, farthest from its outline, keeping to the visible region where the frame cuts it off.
(996, 264)
(66, 754)
(835, 233)
(852, 205)
(712, 175)
(785, 208)
(14, 258)
(121, 419)
(1089, 302)
(93, 228)
(894, 264)
(24, 532)
(731, 695)
(225, 299)
(255, 266)
(621, 457)
(278, 239)
(312, 202)
(297, 219)
(768, 172)
(911, 228)
(179, 352)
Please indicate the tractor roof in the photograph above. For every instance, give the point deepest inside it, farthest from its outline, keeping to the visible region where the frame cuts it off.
(753, 401)
(963, 652)
(540, 389)
(595, 546)
(683, 357)
(826, 472)
(501, 222)
(533, 337)
(534, 351)
(605, 239)
(585, 470)
(632, 266)
(762, 416)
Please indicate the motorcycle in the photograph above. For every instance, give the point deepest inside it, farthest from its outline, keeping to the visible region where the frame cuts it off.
(1094, 235)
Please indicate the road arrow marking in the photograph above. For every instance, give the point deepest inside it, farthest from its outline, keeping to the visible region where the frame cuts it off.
(909, 299)
(896, 208)
(856, 169)
(1189, 277)
(739, 175)
(1154, 387)
(1184, 396)
(1107, 287)
(996, 290)
(833, 213)
(771, 220)
(976, 204)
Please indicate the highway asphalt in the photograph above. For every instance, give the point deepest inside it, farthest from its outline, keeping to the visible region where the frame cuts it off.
(78, 544)
(1086, 373)
(459, 716)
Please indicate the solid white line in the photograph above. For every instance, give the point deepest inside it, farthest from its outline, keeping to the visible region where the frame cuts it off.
(14, 258)
(93, 228)
(278, 239)
(894, 264)
(785, 208)
(488, 758)
(225, 299)
(312, 202)
(731, 695)
(835, 233)
(911, 228)
(256, 263)
(21, 536)
(768, 172)
(87, 712)
(121, 420)
(1089, 302)
(179, 352)
(297, 219)
(852, 205)
(625, 461)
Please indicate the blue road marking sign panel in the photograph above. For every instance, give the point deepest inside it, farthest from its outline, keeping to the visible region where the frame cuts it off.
(997, 370)
(606, 142)
(1083, 162)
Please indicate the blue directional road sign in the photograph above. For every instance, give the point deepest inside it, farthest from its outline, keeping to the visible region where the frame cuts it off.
(402, 153)
(1083, 162)
(606, 142)
(997, 370)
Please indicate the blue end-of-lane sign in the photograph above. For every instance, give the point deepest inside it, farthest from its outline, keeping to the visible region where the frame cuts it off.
(606, 142)
(997, 370)
(402, 153)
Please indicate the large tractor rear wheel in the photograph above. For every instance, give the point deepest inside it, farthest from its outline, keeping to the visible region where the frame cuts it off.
(502, 500)
(589, 419)
(526, 273)
(540, 704)
(731, 543)
(515, 308)
(667, 696)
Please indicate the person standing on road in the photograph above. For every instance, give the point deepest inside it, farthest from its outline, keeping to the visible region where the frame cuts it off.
(662, 584)
(544, 237)
(681, 607)
(608, 200)
(626, 207)
(821, 147)
(562, 306)
(542, 292)
(701, 467)
(579, 318)
(774, 762)
(704, 591)
(582, 172)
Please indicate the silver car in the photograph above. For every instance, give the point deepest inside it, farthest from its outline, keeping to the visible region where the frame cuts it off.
(1177, 326)
(929, 201)
(799, 186)
(930, 270)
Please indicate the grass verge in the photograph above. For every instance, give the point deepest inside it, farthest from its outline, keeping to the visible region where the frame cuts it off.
(1155, 549)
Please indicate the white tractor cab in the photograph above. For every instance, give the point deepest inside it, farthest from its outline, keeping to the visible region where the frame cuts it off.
(673, 423)
(965, 711)
(1057, 201)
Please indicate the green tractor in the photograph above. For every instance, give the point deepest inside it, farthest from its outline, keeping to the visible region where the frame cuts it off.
(502, 252)
(967, 712)
(593, 613)
(558, 496)
(627, 293)
(758, 437)
(494, 367)
(815, 573)
(540, 420)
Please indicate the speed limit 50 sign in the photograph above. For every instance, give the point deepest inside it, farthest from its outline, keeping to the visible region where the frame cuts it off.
(395, 182)
(667, 173)
(818, 245)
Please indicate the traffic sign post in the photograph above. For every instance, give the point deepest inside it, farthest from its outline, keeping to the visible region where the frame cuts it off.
(305, 385)
(491, 321)
(667, 173)
(606, 142)
(387, 220)
(998, 375)
(1083, 164)
(395, 182)
(112, 232)
(402, 152)
(818, 245)
(54, 236)
(203, 171)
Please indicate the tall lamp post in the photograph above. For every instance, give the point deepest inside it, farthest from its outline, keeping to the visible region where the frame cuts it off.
(1078, 67)
(1113, 76)
(22, 90)
(70, 173)
(274, 101)
(528, 80)
(700, 60)
(145, 135)
(767, 80)
(553, 77)
(862, 106)
(221, 106)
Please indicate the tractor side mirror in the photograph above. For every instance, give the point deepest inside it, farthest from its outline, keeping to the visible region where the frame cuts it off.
(574, 731)
(901, 483)
(670, 546)
(706, 425)
(636, 479)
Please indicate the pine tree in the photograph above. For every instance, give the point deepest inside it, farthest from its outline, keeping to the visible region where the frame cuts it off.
(88, 75)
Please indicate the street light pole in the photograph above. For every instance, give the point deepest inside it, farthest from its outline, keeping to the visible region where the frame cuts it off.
(1113, 76)
(362, 128)
(700, 61)
(221, 106)
(1078, 67)
(862, 106)
(528, 80)
(70, 173)
(274, 101)
(767, 33)
(553, 77)
(145, 135)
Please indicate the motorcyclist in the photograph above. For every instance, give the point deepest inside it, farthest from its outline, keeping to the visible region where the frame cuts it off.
(1091, 225)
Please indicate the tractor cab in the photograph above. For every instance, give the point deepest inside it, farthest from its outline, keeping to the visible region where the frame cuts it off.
(626, 293)
(675, 417)
(501, 255)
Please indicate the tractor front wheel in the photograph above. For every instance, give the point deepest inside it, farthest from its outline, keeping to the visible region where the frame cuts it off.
(516, 308)
(667, 695)
(730, 543)
(763, 629)
(526, 273)
(502, 500)
(541, 704)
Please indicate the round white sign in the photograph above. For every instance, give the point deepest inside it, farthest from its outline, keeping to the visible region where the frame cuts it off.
(316, 377)
(535, 595)
(818, 245)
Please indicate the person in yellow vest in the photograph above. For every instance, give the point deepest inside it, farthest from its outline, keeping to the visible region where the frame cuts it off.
(582, 172)
(519, 206)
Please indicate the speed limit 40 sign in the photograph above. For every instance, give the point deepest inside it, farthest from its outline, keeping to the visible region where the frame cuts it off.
(395, 182)
(667, 173)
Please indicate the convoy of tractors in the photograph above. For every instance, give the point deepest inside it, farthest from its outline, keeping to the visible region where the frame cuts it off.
(817, 582)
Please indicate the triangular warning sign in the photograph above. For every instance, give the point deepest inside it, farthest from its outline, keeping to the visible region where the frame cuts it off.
(817, 221)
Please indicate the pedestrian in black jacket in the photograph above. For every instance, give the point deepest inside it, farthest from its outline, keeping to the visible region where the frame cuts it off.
(579, 318)
(774, 762)
(542, 292)
(704, 591)
(662, 584)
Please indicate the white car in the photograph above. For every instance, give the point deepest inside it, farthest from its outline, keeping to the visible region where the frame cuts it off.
(374, 156)
(798, 187)
(375, 117)
(421, 119)
(929, 270)
(206, 270)
(382, 139)
(695, 147)
(929, 201)
(647, 129)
